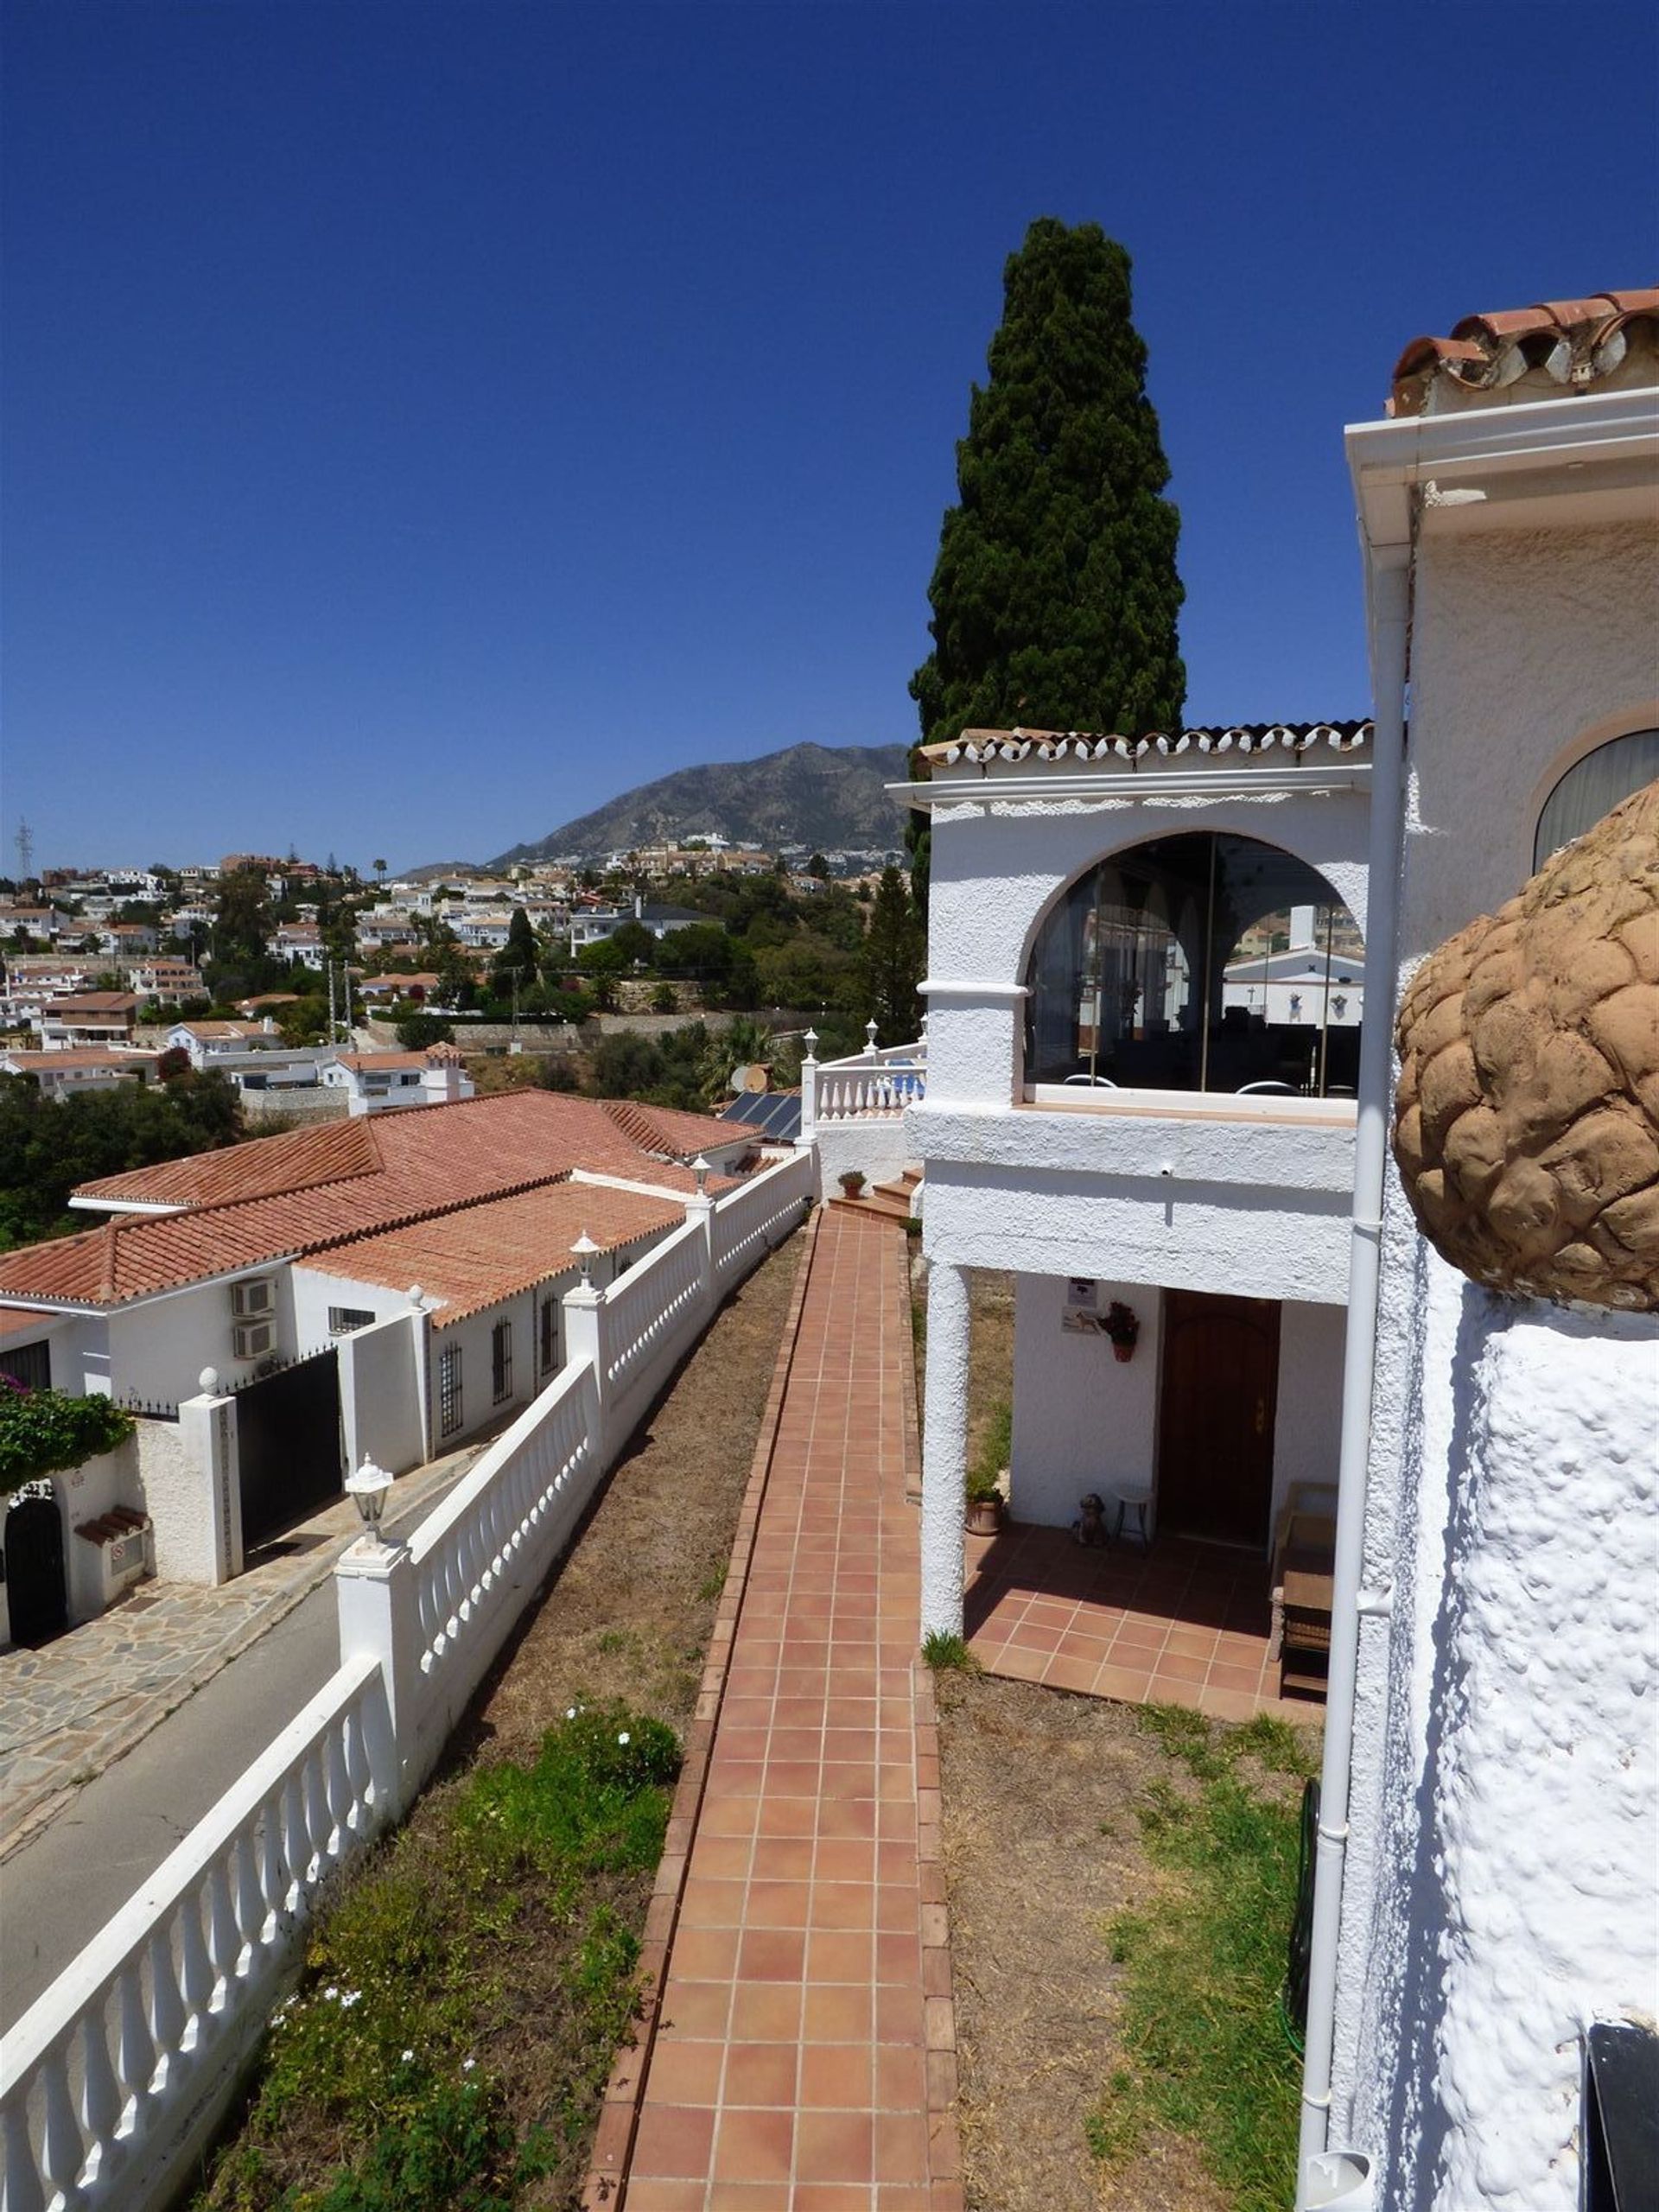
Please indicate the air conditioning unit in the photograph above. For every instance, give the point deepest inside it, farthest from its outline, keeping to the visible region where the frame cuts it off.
(253, 1339)
(257, 1295)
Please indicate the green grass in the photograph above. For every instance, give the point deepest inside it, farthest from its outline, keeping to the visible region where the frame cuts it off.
(995, 1451)
(1203, 2054)
(388, 2083)
(949, 1654)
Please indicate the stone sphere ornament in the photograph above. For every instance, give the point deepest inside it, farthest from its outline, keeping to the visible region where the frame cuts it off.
(1527, 1116)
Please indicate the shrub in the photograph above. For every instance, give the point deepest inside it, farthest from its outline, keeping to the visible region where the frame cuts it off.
(41, 1430)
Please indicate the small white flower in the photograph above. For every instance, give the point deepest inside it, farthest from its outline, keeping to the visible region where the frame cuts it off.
(468, 2064)
(408, 2058)
(569, 1711)
(623, 1738)
(351, 1997)
(330, 1993)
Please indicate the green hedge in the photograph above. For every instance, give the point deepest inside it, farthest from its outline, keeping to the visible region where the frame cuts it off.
(43, 1429)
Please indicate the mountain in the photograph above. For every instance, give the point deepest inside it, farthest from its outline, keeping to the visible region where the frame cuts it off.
(821, 796)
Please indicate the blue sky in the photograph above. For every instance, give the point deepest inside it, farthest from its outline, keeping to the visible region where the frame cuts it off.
(422, 424)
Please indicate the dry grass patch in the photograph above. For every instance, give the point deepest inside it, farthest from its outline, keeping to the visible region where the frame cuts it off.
(1073, 1830)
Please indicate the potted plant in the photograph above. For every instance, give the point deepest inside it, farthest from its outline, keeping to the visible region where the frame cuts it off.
(852, 1183)
(1122, 1325)
(984, 1515)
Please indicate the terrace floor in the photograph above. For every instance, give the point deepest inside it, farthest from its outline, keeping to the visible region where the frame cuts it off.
(1181, 1623)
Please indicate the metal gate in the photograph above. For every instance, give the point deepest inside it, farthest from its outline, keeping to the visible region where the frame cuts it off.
(290, 1458)
(35, 1590)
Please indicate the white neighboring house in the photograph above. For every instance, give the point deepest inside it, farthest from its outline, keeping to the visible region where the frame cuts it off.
(288, 1268)
(301, 942)
(376, 1081)
(94, 1067)
(593, 924)
(209, 1044)
(1491, 1744)
(1099, 1119)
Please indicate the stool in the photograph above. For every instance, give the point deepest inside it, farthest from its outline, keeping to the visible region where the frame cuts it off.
(1135, 1495)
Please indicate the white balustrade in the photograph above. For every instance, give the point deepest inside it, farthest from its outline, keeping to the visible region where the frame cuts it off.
(104, 2076)
(760, 1213)
(868, 1085)
(654, 1310)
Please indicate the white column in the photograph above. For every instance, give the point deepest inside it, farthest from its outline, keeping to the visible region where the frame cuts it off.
(199, 1532)
(584, 1337)
(809, 1091)
(945, 1448)
(701, 1209)
(374, 1590)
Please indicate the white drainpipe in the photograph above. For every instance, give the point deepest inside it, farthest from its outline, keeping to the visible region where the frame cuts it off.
(1334, 2177)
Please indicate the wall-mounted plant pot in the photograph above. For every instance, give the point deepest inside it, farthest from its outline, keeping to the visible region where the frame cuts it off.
(1125, 1353)
(984, 1516)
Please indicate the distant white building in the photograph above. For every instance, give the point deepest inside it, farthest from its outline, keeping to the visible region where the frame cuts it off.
(375, 1081)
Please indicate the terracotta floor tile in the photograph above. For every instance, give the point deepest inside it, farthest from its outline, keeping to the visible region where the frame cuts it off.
(840, 2075)
(766, 2012)
(835, 2146)
(838, 2012)
(754, 2145)
(672, 2140)
(686, 2073)
(762, 2073)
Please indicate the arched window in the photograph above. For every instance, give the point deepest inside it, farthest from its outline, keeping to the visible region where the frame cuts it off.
(1197, 962)
(1592, 787)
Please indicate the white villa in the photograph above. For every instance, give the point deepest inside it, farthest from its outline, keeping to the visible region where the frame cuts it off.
(1125, 1101)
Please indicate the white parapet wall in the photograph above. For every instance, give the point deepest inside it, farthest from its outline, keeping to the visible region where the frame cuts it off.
(113, 2081)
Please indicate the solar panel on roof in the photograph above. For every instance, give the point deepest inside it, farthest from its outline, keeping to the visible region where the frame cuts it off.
(777, 1114)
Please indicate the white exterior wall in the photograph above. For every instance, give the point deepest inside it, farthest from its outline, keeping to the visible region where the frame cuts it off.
(1457, 2014)
(875, 1146)
(1261, 1211)
(1082, 1419)
(159, 1346)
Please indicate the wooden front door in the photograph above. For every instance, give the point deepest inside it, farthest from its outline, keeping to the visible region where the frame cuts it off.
(1215, 1434)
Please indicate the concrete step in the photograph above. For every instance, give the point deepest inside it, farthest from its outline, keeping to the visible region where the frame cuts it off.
(900, 1191)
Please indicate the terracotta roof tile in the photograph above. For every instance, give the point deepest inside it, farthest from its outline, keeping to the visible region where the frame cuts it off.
(258, 1169)
(1576, 344)
(666, 1130)
(483, 1254)
(431, 1160)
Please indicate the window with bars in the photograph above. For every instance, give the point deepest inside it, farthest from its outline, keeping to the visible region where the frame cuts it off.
(449, 1413)
(343, 1319)
(501, 1361)
(550, 1343)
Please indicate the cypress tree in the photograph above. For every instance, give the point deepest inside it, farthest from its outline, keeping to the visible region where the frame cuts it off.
(1055, 595)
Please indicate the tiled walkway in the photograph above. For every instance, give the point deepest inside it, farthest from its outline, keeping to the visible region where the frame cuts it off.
(1183, 1624)
(807, 1976)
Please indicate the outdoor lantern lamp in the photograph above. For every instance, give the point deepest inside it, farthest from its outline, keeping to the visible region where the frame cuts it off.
(584, 1248)
(700, 1169)
(869, 1031)
(810, 1042)
(367, 1489)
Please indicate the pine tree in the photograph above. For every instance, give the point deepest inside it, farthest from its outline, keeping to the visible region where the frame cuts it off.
(1055, 595)
(895, 951)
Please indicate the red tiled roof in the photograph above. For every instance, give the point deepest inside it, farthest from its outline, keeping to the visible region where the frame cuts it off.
(82, 1056)
(430, 1160)
(259, 1169)
(1576, 343)
(93, 1002)
(483, 1254)
(666, 1130)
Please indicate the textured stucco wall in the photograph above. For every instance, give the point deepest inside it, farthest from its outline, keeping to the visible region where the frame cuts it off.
(875, 1148)
(380, 1393)
(1513, 1873)
(1081, 1417)
(159, 1347)
(1523, 645)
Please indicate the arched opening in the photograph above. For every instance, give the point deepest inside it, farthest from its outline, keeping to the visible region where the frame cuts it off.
(1197, 962)
(1592, 787)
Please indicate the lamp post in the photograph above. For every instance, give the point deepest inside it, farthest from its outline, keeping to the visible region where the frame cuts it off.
(367, 1489)
(584, 1248)
(700, 1170)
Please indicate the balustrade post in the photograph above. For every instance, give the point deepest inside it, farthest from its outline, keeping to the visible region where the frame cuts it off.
(374, 1590)
(809, 1091)
(699, 1209)
(585, 1335)
(197, 1512)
